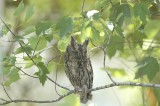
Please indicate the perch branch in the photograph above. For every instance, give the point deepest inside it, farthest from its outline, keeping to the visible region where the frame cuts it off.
(36, 101)
(89, 90)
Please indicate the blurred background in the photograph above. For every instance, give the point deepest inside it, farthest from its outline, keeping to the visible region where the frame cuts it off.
(30, 88)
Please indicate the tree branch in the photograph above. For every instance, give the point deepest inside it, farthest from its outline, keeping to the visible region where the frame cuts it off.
(125, 84)
(89, 90)
(36, 101)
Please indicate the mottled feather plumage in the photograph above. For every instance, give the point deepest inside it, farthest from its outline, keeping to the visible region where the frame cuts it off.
(78, 68)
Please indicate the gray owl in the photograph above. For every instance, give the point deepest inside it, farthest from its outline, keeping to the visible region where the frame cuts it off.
(78, 68)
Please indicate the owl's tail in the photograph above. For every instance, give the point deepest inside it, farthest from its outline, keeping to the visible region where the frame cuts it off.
(85, 97)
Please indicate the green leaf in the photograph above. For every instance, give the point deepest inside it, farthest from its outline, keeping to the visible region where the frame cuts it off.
(37, 43)
(19, 9)
(29, 30)
(136, 37)
(95, 33)
(24, 49)
(43, 67)
(51, 66)
(19, 50)
(42, 73)
(126, 9)
(148, 66)
(119, 11)
(141, 11)
(157, 93)
(13, 76)
(4, 30)
(87, 30)
(18, 38)
(5, 70)
(152, 28)
(62, 44)
(64, 26)
(111, 50)
(119, 31)
(41, 27)
(30, 62)
(96, 16)
(29, 12)
(106, 28)
(125, 12)
(9, 61)
(48, 37)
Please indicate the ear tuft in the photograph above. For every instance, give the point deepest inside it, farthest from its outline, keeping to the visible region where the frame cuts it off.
(73, 41)
(86, 42)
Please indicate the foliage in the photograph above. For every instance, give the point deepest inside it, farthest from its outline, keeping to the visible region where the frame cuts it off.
(135, 34)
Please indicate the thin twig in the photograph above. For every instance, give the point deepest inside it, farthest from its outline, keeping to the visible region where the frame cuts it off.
(47, 78)
(93, 43)
(83, 5)
(58, 84)
(6, 92)
(18, 42)
(149, 48)
(111, 2)
(3, 100)
(108, 42)
(25, 72)
(52, 59)
(36, 46)
(8, 41)
(104, 59)
(104, 65)
(7, 27)
(104, 49)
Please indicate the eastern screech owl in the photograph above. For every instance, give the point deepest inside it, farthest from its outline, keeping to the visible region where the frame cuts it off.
(78, 68)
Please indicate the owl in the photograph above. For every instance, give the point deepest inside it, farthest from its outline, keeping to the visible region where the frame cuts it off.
(78, 68)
